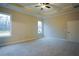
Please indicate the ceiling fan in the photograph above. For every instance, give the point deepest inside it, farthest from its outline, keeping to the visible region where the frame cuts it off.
(43, 5)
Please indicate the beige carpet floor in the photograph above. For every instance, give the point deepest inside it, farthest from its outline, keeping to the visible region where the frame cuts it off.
(42, 47)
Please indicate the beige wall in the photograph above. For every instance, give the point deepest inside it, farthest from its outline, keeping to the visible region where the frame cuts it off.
(56, 26)
(24, 27)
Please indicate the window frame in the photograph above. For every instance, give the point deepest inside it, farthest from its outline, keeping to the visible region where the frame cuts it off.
(42, 27)
(39, 26)
(10, 22)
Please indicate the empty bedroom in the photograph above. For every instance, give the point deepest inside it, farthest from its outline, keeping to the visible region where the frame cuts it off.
(39, 29)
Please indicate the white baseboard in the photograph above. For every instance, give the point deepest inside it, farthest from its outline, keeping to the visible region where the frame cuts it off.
(53, 38)
(30, 39)
(17, 41)
(71, 40)
(61, 39)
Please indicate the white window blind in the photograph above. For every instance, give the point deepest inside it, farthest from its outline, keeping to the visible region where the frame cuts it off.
(5, 25)
(39, 26)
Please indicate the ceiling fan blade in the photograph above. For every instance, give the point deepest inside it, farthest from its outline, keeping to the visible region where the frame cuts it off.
(47, 6)
(41, 8)
(46, 3)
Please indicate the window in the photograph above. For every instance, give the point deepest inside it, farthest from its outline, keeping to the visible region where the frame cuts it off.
(39, 26)
(5, 25)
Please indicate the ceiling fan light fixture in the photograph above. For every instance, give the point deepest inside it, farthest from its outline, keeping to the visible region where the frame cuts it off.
(40, 4)
(43, 6)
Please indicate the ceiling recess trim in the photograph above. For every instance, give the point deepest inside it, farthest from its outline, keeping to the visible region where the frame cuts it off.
(17, 5)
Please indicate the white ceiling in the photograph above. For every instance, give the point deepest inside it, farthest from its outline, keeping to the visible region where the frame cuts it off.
(29, 8)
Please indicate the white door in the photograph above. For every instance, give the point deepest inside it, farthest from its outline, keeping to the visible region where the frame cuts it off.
(73, 30)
